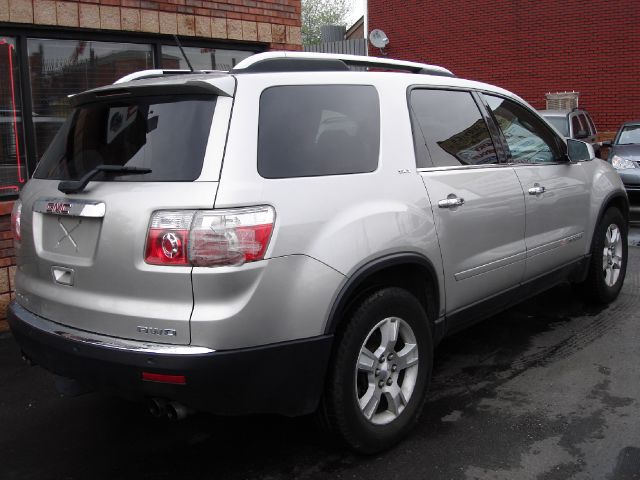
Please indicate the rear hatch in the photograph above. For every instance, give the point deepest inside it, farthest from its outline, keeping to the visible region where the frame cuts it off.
(81, 253)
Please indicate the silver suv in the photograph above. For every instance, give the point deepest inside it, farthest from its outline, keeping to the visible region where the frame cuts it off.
(293, 236)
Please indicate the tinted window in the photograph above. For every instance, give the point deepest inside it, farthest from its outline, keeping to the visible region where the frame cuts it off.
(167, 135)
(311, 130)
(529, 139)
(575, 125)
(450, 125)
(593, 127)
(584, 123)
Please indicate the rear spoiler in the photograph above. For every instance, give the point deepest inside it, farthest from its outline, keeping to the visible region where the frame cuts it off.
(135, 89)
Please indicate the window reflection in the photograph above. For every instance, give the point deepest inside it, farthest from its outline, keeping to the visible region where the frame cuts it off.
(202, 58)
(13, 172)
(452, 128)
(528, 139)
(59, 68)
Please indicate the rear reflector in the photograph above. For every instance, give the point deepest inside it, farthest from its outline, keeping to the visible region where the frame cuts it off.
(162, 378)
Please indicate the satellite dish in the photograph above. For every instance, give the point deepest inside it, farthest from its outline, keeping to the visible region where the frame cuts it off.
(378, 38)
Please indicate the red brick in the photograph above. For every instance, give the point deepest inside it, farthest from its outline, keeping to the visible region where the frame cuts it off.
(531, 48)
(5, 208)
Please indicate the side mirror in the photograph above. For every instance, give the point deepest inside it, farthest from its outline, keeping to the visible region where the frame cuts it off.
(606, 143)
(579, 151)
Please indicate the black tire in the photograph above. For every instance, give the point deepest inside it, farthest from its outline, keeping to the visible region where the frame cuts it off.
(339, 408)
(595, 288)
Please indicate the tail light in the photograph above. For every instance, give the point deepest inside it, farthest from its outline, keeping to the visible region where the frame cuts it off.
(209, 238)
(16, 213)
(168, 236)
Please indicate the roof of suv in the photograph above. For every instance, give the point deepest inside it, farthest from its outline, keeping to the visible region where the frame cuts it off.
(224, 83)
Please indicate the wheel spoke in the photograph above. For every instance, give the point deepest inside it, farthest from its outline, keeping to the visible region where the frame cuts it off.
(389, 331)
(608, 273)
(407, 357)
(370, 401)
(395, 399)
(366, 360)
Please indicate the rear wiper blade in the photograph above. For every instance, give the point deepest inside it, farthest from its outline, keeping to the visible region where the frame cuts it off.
(75, 186)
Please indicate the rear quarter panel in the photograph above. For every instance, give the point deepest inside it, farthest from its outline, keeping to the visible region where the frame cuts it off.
(343, 221)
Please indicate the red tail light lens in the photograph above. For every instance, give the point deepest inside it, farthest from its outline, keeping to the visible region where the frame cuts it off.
(167, 238)
(16, 213)
(208, 238)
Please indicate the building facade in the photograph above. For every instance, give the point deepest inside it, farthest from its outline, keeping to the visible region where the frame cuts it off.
(530, 48)
(50, 49)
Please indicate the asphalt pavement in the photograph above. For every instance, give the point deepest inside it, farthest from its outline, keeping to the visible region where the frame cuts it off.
(547, 390)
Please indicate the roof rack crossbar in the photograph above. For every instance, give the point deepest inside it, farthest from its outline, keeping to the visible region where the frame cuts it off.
(311, 61)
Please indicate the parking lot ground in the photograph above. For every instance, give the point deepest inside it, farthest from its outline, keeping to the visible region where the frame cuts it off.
(547, 390)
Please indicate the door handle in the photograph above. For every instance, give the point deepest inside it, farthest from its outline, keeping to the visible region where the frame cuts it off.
(452, 201)
(537, 189)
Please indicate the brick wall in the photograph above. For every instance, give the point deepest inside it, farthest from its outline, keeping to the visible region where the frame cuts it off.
(275, 22)
(530, 48)
(7, 261)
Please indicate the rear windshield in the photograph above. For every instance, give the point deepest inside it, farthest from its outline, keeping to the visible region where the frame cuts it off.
(313, 130)
(165, 134)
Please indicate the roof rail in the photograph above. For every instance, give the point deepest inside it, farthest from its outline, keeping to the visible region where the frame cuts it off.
(159, 73)
(311, 61)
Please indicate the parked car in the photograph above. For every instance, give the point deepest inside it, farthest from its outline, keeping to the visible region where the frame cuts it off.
(293, 237)
(624, 155)
(575, 123)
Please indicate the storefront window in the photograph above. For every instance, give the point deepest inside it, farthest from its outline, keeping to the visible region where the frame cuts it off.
(59, 68)
(202, 58)
(13, 172)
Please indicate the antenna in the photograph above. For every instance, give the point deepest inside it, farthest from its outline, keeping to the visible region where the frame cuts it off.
(379, 39)
(175, 37)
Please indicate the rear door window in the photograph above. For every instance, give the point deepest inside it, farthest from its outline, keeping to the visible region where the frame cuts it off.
(313, 130)
(168, 135)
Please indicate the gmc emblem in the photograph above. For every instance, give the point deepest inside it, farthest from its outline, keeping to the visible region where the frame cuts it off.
(59, 208)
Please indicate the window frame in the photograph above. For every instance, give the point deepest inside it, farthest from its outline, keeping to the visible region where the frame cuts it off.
(560, 143)
(419, 140)
(21, 34)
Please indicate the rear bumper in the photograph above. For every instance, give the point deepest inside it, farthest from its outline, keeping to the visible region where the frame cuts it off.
(285, 378)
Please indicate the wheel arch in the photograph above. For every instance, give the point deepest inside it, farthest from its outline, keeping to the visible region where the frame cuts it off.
(617, 199)
(411, 271)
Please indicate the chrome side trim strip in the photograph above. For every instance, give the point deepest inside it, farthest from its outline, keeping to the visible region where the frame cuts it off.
(70, 208)
(487, 267)
(463, 167)
(553, 245)
(114, 343)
